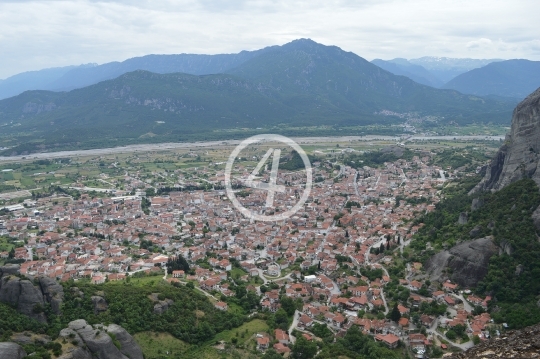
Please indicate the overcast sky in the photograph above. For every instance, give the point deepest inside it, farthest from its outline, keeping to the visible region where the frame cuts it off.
(47, 33)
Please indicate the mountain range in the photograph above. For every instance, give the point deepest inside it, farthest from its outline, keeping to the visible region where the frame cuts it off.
(72, 77)
(471, 76)
(511, 78)
(302, 83)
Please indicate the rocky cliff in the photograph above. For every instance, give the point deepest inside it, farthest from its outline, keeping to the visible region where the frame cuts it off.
(519, 344)
(519, 157)
(30, 297)
(467, 262)
(99, 341)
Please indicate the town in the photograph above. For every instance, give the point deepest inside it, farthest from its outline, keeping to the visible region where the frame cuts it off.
(342, 259)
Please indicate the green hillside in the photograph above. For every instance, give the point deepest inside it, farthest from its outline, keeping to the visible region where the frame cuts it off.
(509, 213)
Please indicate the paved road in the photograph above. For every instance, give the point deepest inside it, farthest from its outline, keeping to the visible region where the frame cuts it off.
(356, 184)
(466, 304)
(293, 326)
(443, 177)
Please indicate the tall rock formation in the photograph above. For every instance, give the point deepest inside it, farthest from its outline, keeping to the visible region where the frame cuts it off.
(29, 297)
(519, 157)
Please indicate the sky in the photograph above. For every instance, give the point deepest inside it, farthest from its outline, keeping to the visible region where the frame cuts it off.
(52, 33)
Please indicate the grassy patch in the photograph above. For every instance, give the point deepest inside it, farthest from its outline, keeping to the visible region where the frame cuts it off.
(237, 273)
(155, 345)
(244, 332)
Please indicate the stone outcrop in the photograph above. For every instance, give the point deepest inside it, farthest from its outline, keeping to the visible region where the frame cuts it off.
(53, 293)
(465, 263)
(463, 218)
(128, 345)
(99, 341)
(476, 231)
(23, 295)
(100, 304)
(10, 269)
(162, 306)
(11, 351)
(519, 157)
(30, 338)
(476, 204)
(27, 297)
(518, 344)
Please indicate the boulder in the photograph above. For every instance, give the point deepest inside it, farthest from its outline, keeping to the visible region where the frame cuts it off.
(100, 304)
(468, 262)
(162, 306)
(463, 218)
(10, 350)
(10, 269)
(22, 338)
(30, 338)
(97, 342)
(129, 346)
(476, 231)
(477, 203)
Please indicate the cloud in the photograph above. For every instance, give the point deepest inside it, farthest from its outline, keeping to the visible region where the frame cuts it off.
(483, 42)
(45, 33)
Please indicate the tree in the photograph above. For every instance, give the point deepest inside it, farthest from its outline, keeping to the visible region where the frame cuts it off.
(177, 263)
(281, 319)
(271, 354)
(11, 254)
(395, 315)
(304, 349)
(288, 305)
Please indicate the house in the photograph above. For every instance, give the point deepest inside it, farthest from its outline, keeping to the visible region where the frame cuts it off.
(415, 285)
(426, 320)
(281, 336)
(304, 321)
(449, 300)
(262, 342)
(417, 340)
(403, 323)
(449, 287)
(282, 349)
(390, 340)
(99, 279)
(178, 274)
(273, 270)
(221, 306)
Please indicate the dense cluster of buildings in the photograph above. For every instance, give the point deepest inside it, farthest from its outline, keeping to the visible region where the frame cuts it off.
(350, 218)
